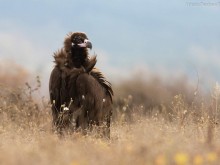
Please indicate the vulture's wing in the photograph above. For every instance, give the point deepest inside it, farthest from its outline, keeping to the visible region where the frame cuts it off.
(54, 89)
(102, 80)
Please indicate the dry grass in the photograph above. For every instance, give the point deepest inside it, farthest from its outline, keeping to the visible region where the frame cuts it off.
(176, 132)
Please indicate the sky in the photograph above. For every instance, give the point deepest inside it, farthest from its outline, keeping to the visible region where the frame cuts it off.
(168, 38)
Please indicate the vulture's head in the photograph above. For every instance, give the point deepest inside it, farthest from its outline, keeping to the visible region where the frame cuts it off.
(77, 40)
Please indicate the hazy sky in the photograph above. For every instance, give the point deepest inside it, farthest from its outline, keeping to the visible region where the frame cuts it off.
(166, 37)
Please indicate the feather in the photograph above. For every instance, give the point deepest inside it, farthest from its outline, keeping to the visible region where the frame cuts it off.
(102, 80)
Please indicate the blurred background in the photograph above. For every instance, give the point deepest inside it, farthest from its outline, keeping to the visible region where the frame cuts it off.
(162, 57)
(142, 40)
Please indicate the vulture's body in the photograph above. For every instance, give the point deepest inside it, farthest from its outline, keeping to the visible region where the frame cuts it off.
(79, 93)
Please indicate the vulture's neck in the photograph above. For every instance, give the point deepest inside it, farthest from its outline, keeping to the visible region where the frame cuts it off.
(78, 57)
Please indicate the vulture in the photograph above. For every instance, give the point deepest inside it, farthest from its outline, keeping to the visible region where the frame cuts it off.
(80, 95)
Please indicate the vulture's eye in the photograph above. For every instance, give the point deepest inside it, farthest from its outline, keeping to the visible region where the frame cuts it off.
(77, 39)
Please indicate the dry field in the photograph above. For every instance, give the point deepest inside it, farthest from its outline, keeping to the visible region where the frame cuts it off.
(154, 124)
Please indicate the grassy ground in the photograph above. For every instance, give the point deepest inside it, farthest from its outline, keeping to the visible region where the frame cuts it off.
(176, 132)
(146, 141)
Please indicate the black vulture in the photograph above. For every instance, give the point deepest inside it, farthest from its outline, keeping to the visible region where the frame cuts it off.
(80, 95)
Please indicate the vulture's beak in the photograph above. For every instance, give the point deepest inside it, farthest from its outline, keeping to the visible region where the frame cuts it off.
(89, 45)
(85, 44)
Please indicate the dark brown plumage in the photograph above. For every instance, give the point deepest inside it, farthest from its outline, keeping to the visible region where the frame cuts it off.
(79, 93)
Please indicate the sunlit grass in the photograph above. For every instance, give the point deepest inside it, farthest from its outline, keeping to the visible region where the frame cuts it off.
(176, 133)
